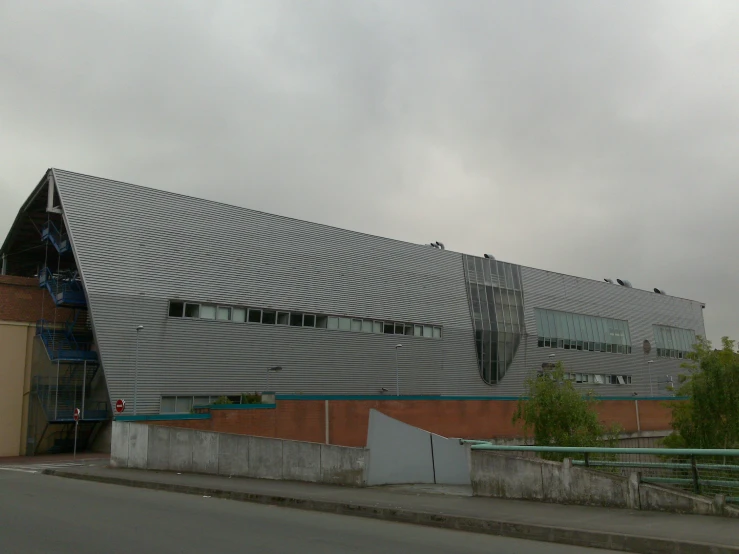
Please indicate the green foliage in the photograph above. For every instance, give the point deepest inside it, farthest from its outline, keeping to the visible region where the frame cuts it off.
(710, 416)
(559, 415)
(251, 398)
(222, 400)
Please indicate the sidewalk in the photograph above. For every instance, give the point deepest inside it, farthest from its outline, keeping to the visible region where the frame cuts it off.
(615, 529)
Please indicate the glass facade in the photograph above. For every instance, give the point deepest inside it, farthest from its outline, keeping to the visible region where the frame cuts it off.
(582, 332)
(495, 296)
(673, 342)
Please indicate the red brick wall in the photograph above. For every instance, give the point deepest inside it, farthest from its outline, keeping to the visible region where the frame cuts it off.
(348, 419)
(21, 300)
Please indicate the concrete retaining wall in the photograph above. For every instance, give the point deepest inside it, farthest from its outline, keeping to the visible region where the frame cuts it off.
(141, 446)
(505, 476)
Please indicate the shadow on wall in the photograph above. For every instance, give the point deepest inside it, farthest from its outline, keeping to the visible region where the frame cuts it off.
(403, 454)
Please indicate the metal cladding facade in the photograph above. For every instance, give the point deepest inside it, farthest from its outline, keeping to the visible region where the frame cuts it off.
(138, 249)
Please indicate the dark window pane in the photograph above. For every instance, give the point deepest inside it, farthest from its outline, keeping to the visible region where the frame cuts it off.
(389, 328)
(192, 310)
(176, 309)
(398, 328)
(309, 320)
(283, 318)
(255, 316)
(296, 320)
(270, 318)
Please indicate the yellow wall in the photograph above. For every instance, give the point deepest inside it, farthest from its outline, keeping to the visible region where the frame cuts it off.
(15, 374)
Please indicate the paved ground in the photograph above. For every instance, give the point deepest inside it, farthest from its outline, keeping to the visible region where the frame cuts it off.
(655, 525)
(50, 515)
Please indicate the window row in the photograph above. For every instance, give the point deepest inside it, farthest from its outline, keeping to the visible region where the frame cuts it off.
(582, 332)
(673, 342)
(585, 346)
(184, 404)
(598, 379)
(195, 310)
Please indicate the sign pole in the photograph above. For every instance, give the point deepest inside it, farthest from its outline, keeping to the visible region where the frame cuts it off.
(76, 424)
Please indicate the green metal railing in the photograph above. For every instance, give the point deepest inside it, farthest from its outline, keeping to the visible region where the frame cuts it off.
(702, 471)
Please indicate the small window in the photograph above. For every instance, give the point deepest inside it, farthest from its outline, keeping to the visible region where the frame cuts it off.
(388, 328)
(333, 323)
(408, 330)
(321, 321)
(296, 320)
(176, 309)
(356, 324)
(268, 317)
(345, 324)
(578, 378)
(168, 405)
(428, 331)
(437, 332)
(377, 327)
(283, 318)
(598, 379)
(309, 320)
(418, 330)
(201, 401)
(366, 326)
(547, 342)
(621, 380)
(399, 328)
(223, 313)
(183, 405)
(207, 312)
(239, 315)
(255, 316)
(192, 310)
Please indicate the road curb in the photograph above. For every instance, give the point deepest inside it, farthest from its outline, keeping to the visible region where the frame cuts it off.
(562, 535)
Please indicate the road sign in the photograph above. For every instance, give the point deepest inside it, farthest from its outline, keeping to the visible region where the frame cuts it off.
(120, 405)
(77, 414)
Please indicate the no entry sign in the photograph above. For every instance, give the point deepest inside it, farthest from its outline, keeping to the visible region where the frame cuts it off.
(77, 414)
(120, 405)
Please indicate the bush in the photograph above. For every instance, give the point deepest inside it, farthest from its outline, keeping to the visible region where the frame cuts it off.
(559, 415)
(251, 398)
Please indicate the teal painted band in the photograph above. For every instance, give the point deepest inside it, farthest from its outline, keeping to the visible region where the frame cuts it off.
(387, 397)
(476, 445)
(161, 417)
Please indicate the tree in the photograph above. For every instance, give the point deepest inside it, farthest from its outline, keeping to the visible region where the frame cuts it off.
(709, 418)
(560, 415)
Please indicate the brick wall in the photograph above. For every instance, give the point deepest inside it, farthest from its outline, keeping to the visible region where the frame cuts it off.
(348, 419)
(21, 300)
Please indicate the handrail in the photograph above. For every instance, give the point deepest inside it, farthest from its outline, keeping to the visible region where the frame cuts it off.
(483, 445)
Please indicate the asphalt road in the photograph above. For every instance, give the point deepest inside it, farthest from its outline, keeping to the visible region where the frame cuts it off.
(52, 515)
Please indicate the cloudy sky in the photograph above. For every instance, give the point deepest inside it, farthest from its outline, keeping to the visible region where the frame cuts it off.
(588, 137)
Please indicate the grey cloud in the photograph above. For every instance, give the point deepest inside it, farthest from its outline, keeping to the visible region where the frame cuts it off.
(592, 138)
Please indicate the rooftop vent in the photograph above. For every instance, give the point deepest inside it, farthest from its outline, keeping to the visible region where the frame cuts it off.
(490, 257)
(659, 291)
(608, 280)
(440, 245)
(624, 283)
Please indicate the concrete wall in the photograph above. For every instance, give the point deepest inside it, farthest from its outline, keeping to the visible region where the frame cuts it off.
(504, 476)
(401, 453)
(136, 445)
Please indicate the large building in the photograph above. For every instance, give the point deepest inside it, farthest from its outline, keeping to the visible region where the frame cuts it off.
(172, 301)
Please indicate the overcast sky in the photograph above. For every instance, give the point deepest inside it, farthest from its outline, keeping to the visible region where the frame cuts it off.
(592, 138)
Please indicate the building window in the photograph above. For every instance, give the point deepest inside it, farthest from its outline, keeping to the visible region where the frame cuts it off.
(598, 378)
(495, 296)
(673, 342)
(582, 332)
(223, 313)
(298, 319)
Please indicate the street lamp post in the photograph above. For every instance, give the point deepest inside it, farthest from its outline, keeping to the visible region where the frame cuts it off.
(136, 370)
(397, 382)
(274, 369)
(649, 370)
